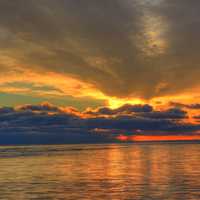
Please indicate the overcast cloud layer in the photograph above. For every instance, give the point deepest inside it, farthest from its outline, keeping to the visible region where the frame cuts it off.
(138, 48)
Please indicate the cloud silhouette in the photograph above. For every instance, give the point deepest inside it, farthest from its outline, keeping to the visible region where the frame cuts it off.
(47, 123)
(45, 107)
(172, 113)
(125, 109)
(188, 106)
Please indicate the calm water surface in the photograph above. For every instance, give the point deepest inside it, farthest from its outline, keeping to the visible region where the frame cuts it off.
(101, 172)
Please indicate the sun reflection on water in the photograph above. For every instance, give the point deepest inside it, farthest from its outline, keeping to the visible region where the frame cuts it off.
(115, 171)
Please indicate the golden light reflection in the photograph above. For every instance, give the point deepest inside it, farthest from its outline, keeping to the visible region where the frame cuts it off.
(101, 172)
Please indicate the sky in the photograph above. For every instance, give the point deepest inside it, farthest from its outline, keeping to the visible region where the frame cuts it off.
(111, 70)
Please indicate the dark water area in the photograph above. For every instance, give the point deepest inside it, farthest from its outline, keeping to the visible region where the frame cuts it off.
(101, 171)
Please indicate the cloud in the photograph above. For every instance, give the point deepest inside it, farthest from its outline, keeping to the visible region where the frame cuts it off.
(127, 48)
(145, 111)
(45, 107)
(128, 123)
(188, 106)
(125, 109)
(43, 124)
(172, 113)
(6, 110)
(46, 123)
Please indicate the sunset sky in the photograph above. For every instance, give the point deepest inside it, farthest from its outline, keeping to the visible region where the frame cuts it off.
(99, 70)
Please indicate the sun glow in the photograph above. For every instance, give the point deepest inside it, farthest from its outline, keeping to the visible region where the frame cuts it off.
(68, 85)
(116, 102)
(154, 138)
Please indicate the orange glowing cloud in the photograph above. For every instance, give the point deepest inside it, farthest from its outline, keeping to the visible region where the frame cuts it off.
(71, 85)
(80, 53)
(65, 85)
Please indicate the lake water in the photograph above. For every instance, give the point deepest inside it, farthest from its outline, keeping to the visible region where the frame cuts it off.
(101, 172)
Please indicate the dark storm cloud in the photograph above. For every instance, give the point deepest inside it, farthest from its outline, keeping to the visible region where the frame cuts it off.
(172, 113)
(125, 109)
(188, 106)
(146, 111)
(6, 110)
(43, 135)
(50, 124)
(131, 123)
(25, 126)
(139, 48)
(148, 120)
(46, 107)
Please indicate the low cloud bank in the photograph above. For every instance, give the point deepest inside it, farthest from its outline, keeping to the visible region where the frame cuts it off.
(46, 123)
